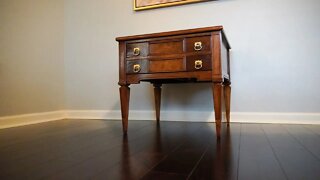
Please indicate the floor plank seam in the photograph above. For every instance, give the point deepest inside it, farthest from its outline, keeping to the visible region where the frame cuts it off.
(312, 130)
(97, 150)
(239, 147)
(39, 136)
(182, 143)
(274, 153)
(33, 153)
(92, 156)
(161, 160)
(298, 141)
(52, 158)
(172, 173)
(120, 162)
(198, 162)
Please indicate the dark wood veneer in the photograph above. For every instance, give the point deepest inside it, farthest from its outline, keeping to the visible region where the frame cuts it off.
(194, 55)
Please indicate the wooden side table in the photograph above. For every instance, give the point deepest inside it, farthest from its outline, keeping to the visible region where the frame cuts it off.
(193, 55)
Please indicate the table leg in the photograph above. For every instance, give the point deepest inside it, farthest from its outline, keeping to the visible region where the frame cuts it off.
(124, 98)
(157, 98)
(227, 97)
(217, 92)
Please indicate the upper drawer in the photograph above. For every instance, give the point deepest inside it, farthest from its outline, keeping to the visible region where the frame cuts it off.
(198, 44)
(166, 47)
(137, 49)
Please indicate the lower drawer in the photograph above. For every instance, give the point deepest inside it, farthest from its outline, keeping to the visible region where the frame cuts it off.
(190, 63)
(137, 66)
(199, 63)
(155, 66)
(171, 65)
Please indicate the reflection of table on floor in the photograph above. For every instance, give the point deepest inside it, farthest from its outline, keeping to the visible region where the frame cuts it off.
(194, 55)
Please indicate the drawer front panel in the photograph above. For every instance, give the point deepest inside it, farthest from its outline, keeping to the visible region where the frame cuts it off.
(166, 48)
(137, 49)
(137, 66)
(172, 65)
(199, 63)
(198, 44)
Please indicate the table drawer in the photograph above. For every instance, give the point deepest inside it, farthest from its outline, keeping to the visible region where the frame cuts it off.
(166, 47)
(137, 49)
(199, 63)
(155, 66)
(137, 66)
(198, 44)
(171, 65)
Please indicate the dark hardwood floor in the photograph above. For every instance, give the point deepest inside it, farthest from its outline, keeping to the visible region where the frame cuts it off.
(96, 149)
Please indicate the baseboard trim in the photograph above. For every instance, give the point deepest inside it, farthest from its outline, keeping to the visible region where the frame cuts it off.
(192, 116)
(189, 116)
(27, 119)
(276, 118)
(200, 116)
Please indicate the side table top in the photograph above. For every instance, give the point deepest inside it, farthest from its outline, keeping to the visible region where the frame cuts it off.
(175, 33)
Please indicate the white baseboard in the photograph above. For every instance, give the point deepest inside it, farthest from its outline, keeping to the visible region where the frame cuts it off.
(190, 116)
(200, 116)
(34, 118)
(276, 118)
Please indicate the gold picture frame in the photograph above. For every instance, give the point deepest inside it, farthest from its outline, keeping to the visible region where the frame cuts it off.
(151, 4)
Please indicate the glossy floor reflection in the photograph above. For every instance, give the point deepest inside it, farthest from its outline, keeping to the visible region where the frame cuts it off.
(94, 149)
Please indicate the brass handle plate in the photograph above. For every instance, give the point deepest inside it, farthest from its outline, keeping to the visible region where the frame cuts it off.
(136, 51)
(198, 64)
(136, 68)
(198, 46)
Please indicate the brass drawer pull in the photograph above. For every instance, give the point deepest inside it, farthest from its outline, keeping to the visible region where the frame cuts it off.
(136, 68)
(198, 46)
(136, 51)
(198, 64)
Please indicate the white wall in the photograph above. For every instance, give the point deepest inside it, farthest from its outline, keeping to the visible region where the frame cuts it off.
(63, 55)
(31, 56)
(275, 56)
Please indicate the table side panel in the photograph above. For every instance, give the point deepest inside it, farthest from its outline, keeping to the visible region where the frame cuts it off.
(122, 63)
(225, 62)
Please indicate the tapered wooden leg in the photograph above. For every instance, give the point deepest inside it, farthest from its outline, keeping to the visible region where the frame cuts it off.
(157, 98)
(217, 90)
(227, 98)
(124, 98)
